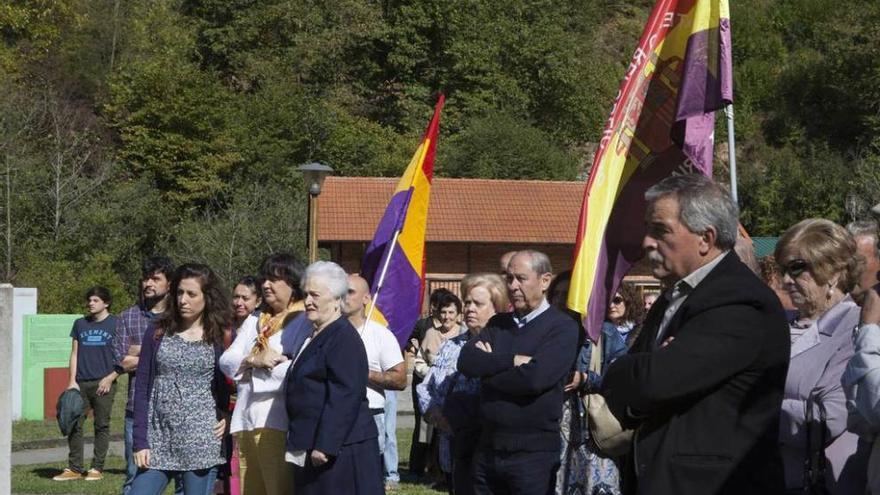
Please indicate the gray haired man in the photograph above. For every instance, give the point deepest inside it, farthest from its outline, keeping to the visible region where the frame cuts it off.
(704, 381)
(865, 232)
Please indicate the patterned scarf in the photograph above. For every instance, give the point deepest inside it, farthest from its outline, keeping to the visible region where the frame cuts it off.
(269, 325)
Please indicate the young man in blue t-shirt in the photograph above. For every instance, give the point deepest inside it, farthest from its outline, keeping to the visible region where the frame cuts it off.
(91, 372)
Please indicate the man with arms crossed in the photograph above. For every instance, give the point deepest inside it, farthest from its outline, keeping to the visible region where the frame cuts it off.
(703, 383)
(523, 359)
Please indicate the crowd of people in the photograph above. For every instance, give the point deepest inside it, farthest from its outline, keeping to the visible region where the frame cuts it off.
(738, 376)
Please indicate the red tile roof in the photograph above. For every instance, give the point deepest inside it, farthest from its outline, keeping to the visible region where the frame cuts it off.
(461, 210)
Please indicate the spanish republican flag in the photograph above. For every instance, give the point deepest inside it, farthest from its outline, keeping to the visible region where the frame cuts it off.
(662, 123)
(394, 262)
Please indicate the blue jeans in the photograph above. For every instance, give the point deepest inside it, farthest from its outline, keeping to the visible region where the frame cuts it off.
(380, 427)
(154, 481)
(389, 456)
(131, 469)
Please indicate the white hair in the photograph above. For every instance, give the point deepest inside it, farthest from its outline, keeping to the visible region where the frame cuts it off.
(866, 228)
(538, 261)
(331, 273)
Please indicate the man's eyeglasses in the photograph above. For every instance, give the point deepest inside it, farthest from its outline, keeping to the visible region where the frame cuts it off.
(617, 300)
(794, 268)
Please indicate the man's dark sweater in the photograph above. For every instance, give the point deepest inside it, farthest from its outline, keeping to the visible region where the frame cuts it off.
(520, 406)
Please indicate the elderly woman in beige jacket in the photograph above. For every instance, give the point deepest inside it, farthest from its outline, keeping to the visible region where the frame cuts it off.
(819, 267)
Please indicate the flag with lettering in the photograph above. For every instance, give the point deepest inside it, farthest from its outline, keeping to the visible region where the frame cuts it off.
(396, 255)
(662, 123)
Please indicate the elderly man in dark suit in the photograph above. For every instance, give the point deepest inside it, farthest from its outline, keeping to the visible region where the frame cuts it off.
(703, 383)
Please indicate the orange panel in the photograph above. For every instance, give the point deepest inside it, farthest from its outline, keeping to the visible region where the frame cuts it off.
(54, 383)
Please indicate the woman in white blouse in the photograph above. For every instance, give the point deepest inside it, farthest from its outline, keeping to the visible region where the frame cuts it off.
(257, 361)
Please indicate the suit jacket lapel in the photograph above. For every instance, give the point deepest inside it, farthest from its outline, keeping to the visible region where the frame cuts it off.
(315, 345)
(701, 291)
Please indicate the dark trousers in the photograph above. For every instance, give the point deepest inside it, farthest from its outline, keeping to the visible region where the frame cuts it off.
(357, 470)
(463, 475)
(418, 452)
(514, 473)
(101, 405)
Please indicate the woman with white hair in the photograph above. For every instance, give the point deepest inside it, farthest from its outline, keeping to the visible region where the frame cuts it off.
(332, 438)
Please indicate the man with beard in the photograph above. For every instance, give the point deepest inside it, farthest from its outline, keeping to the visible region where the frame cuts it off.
(131, 325)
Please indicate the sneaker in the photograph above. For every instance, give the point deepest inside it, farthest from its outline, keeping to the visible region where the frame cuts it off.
(94, 475)
(67, 475)
(390, 486)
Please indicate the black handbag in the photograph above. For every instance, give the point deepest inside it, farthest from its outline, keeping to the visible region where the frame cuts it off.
(815, 463)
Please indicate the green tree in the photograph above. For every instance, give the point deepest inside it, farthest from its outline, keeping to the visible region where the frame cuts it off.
(62, 283)
(260, 219)
(173, 119)
(502, 146)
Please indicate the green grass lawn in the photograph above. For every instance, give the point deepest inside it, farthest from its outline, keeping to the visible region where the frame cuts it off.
(37, 479)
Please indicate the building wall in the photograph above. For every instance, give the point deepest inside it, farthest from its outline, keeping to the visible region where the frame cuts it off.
(447, 262)
(452, 258)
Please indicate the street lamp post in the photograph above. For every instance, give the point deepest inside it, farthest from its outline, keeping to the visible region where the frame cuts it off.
(313, 175)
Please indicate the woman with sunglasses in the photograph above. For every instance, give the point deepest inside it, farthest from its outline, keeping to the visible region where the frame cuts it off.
(819, 267)
(625, 312)
(583, 469)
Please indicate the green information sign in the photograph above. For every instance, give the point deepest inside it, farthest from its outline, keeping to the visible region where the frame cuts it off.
(46, 342)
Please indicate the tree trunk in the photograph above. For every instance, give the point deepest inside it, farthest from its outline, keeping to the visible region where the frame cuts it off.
(8, 275)
(115, 33)
(59, 166)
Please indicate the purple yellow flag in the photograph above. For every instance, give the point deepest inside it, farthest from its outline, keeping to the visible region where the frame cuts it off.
(398, 247)
(662, 123)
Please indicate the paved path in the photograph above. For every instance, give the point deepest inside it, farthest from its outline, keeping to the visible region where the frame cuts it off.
(58, 454)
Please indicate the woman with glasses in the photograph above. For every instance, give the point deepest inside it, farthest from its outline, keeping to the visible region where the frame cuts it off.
(584, 470)
(448, 317)
(625, 312)
(819, 266)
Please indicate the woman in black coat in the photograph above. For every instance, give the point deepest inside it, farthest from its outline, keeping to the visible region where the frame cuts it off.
(332, 438)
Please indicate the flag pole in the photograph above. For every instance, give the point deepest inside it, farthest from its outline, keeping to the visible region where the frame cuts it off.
(731, 152)
(428, 140)
(382, 278)
(388, 258)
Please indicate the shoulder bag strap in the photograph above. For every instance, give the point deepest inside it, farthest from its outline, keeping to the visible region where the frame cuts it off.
(596, 355)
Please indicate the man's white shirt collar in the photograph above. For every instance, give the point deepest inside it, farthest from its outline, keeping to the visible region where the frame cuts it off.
(522, 320)
(682, 289)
